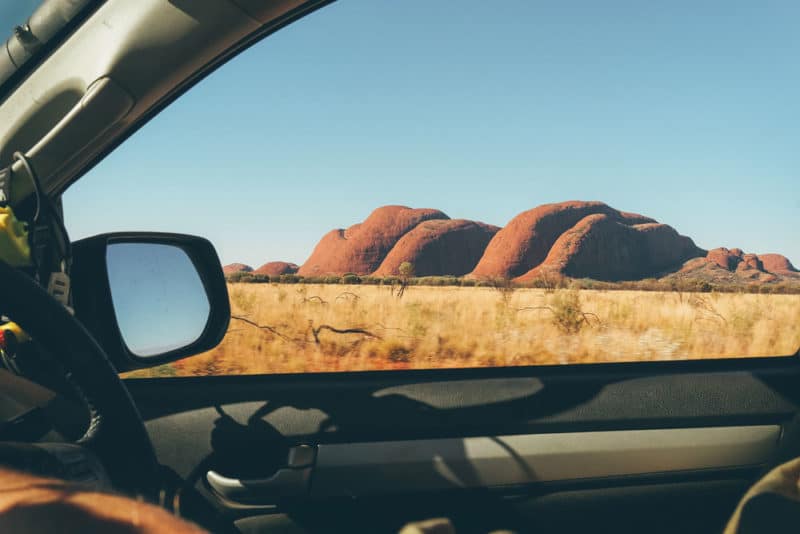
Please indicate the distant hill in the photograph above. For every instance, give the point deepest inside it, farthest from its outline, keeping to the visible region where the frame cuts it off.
(436, 247)
(722, 266)
(575, 239)
(583, 240)
(361, 248)
(275, 268)
(237, 268)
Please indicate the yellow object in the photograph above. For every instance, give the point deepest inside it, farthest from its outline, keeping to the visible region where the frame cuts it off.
(14, 247)
(15, 251)
(18, 332)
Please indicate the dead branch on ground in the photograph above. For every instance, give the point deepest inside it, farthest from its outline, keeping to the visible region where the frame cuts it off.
(347, 295)
(271, 329)
(316, 330)
(315, 298)
(702, 305)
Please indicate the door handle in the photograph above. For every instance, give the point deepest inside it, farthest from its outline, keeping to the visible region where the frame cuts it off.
(290, 481)
(284, 483)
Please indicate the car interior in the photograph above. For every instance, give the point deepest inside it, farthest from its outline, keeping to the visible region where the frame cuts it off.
(668, 446)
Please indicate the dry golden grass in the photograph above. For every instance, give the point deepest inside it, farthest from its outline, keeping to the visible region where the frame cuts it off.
(448, 327)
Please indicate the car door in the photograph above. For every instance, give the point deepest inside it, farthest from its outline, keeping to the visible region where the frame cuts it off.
(613, 447)
(637, 382)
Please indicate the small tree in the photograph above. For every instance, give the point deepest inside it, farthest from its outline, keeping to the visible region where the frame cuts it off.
(405, 273)
(505, 287)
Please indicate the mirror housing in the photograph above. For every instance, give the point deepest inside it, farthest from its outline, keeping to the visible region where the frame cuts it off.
(95, 291)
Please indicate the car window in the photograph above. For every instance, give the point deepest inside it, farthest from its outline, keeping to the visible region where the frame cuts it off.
(409, 185)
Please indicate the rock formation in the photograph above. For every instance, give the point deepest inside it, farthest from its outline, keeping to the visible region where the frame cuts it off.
(575, 239)
(436, 247)
(361, 248)
(237, 268)
(777, 264)
(604, 247)
(526, 240)
(734, 265)
(276, 268)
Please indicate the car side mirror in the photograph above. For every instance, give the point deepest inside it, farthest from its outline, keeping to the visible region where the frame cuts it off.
(149, 298)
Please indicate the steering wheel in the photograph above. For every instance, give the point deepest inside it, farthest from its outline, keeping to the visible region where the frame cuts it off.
(116, 431)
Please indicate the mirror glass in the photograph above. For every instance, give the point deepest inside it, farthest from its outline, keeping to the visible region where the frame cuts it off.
(159, 299)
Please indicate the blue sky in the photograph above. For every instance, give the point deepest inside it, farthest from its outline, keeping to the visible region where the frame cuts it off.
(686, 111)
(15, 13)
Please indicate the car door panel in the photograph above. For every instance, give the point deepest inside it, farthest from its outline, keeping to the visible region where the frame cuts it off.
(577, 435)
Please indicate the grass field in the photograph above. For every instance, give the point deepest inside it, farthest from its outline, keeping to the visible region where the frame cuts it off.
(286, 328)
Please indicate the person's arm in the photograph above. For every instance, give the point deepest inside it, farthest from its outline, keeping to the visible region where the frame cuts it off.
(771, 505)
(33, 504)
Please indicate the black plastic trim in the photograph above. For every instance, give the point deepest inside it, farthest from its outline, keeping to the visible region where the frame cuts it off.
(761, 365)
(336, 408)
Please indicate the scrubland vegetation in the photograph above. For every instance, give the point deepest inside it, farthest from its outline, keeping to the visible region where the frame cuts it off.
(293, 327)
(671, 284)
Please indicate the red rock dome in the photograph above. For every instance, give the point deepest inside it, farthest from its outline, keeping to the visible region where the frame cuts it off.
(237, 268)
(437, 247)
(603, 247)
(775, 263)
(277, 268)
(361, 248)
(527, 239)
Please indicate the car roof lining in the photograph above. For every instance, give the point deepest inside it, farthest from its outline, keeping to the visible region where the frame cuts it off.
(125, 63)
(43, 30)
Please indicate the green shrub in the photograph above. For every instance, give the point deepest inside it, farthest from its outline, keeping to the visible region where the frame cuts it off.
(237, 277)
(567, 313)
(583, 283)
(543, 283)
(406, 270)
(434, 281)
(351, 278)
